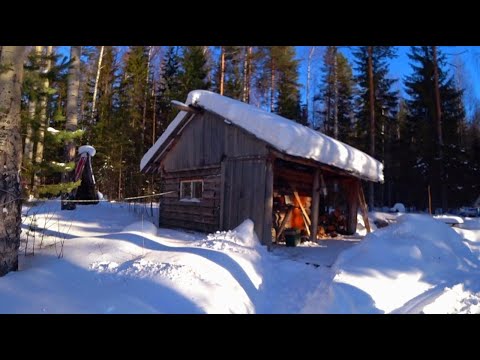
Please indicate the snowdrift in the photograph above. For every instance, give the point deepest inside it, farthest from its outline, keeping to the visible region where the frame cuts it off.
(394, 265)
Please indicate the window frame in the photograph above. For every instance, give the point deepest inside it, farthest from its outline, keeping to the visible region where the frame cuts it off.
(192, 190)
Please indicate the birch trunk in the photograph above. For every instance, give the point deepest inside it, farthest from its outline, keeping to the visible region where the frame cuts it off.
(42, 116)
(97, 78)
(11, 78)
(72, 100)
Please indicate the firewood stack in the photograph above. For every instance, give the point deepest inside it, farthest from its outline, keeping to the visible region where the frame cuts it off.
(333, 224)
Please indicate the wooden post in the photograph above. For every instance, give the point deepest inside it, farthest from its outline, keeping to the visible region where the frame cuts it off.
(284, 222)
(222, 193)
(429, 200)
(352, 190)
(315, 205)
(267, 228)
(304, 212)
(363, 207)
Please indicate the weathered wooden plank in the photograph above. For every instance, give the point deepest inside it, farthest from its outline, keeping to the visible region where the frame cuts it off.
(257, 198)
(201, 227)
(268, 205)
(204, 219)
(206, 139)
(237, 193)
(230, 167)
(222, 195)
(315, 205)
(351, 188)
(202, 210)
(203, 202)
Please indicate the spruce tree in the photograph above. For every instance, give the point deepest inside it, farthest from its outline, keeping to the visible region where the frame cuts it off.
(422, 128)
(195, 70)
(170, 87)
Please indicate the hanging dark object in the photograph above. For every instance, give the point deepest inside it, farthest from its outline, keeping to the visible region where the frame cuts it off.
(86, 193)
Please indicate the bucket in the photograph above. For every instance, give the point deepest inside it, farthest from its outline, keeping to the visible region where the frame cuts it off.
(292, 237)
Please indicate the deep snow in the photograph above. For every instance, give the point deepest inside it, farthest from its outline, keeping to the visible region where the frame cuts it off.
(116, 262)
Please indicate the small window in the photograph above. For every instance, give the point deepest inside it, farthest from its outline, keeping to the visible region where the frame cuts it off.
(191, 190)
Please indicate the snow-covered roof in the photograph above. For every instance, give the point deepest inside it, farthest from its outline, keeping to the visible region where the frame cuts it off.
(283, 134)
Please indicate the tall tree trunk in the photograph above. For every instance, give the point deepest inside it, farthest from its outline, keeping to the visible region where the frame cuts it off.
(438, 118)
(72, 100)
(154, 117)
(309, 75)
(247, 73)
(120, 174)
(371, 89)
(145, 98)
(32, 107)
(335, 93)
(97, 78)
(272, 85)
(222, 68)
(42, 116)
(11, 61)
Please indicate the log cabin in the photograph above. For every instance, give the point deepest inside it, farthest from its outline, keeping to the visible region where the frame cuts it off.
(222, 161)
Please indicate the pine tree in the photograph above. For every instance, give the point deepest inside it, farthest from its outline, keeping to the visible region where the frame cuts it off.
(276, 81)
(377, 105)
(326, 95)
(108, 137)
(232, 83)
(133, 87)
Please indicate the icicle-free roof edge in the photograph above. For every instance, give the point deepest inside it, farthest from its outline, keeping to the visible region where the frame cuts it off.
(288, 136)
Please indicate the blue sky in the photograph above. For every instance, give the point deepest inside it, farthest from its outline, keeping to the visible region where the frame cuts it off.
(400, 67)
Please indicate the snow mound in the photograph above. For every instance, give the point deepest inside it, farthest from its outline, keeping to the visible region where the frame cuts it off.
(398, 207)
(242, 239)
(449, 219)
(245, 234)
(396, 264)
(87, 149)
(145, 227)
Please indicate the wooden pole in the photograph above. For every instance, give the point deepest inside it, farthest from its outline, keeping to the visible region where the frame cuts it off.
(304, 212)
(315, 205)
(268, 204)
(363, 207)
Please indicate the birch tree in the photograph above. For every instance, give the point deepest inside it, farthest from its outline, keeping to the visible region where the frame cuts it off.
(72, 99)
(11, 76)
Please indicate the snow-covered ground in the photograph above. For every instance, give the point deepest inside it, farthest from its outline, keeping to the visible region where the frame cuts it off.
(106, 259)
